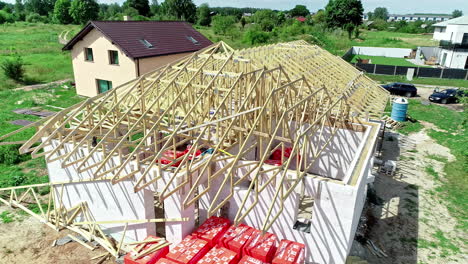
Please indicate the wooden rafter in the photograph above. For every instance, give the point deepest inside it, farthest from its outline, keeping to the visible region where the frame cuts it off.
(218, 100)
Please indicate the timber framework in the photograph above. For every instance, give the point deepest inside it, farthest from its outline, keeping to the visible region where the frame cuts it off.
(242, 133)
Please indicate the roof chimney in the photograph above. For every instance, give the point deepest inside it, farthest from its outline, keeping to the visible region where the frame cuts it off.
(127, 18)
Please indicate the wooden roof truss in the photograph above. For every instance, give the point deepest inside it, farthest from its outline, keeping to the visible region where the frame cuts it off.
(219, 101)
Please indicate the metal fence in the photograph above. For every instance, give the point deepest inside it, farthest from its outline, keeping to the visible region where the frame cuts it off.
(418, 71)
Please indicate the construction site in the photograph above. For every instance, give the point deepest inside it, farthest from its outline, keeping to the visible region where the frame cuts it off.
(215, 152)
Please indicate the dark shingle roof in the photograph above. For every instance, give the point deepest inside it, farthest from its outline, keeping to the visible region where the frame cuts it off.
(166, 37)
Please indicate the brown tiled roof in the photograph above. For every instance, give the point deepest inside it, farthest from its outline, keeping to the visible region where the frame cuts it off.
(166, 37)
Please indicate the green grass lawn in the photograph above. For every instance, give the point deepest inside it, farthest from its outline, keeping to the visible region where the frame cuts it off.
(393, 40)
(453, 134)
(424, 81)
(38, 45)
(383, 60)
(28, 171)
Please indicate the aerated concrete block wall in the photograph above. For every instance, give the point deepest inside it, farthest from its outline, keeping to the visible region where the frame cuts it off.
(106, 201)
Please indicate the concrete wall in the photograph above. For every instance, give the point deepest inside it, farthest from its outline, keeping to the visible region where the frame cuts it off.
(106, 201)
(336, 211)
(455, 59)
(152, 63)
(86, 72)
(385, 52)
(428, 52)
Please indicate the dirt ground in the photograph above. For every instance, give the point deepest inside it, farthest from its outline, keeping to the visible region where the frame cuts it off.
(413, 225)
(26, 240)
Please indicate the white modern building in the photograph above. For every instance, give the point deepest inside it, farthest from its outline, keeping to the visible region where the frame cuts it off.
(413, 17)
(453, 37)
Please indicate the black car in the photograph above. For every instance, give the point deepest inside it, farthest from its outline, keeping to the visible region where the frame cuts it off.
(447, 96)
(406, 89)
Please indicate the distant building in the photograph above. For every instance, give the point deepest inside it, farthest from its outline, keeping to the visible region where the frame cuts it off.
(412, 17)
(301, 19)
(453, 37)
(106, 54)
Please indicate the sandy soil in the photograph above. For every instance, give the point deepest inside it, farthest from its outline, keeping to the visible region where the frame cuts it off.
(413, 218)
(26, 240)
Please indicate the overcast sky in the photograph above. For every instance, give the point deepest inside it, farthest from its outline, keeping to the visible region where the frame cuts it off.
(393, 6)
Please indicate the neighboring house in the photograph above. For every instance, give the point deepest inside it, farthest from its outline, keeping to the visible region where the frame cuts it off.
(412, 17)
(106, 54)
(301, 19)
(453, 37)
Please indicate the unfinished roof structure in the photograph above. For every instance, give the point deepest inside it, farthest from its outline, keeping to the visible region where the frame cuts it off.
(233, 108)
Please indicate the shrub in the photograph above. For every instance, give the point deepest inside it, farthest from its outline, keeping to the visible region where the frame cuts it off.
(9, 155)
(35, 18)
(5, 17)
(222, 24)
(14, 68)
(253, 36)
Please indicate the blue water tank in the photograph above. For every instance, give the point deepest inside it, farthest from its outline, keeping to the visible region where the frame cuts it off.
(399, 109)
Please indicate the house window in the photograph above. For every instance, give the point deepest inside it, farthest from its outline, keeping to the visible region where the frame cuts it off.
(147, 43)
(113, 57)
(465, 39)
(103, 85)
(193, 40)
(89, 54)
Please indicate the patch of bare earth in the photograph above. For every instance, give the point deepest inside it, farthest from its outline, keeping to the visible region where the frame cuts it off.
(413, 225)
(26, 240)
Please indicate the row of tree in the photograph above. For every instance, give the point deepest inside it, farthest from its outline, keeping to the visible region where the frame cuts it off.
(382, 13)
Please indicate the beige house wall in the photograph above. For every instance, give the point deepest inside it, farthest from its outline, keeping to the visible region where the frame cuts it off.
(152, 63)
(86, 72)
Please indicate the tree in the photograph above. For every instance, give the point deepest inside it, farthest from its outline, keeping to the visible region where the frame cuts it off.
(62, 11)
(181, 9)
(154, 7)
(203, 15)
(319, 17)
(13, 67)
(299, 10)
(243, 21)
(339, 13)
(266, 18)
(42, 7)
(142, 6)
(457, 13)
(222, 24)
(281, 18)
(19, 10)
(84, 10)
(380, 13)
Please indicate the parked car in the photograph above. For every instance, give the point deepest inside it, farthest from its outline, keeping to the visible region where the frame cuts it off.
(406, 89)
(447, 96)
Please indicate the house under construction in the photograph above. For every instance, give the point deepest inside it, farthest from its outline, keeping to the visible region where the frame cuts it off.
(279, 137)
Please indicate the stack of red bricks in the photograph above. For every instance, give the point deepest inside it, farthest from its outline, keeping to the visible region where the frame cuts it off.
(220, 255)
(189, 251)
(289, 252)
(217, 242)
(212, 229)
(149, 258)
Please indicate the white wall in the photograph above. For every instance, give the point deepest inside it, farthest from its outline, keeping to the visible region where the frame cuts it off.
(386, 52)
(335, 217)
(456, 59)
(336, 156)
(106, 201)
(453, 33)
